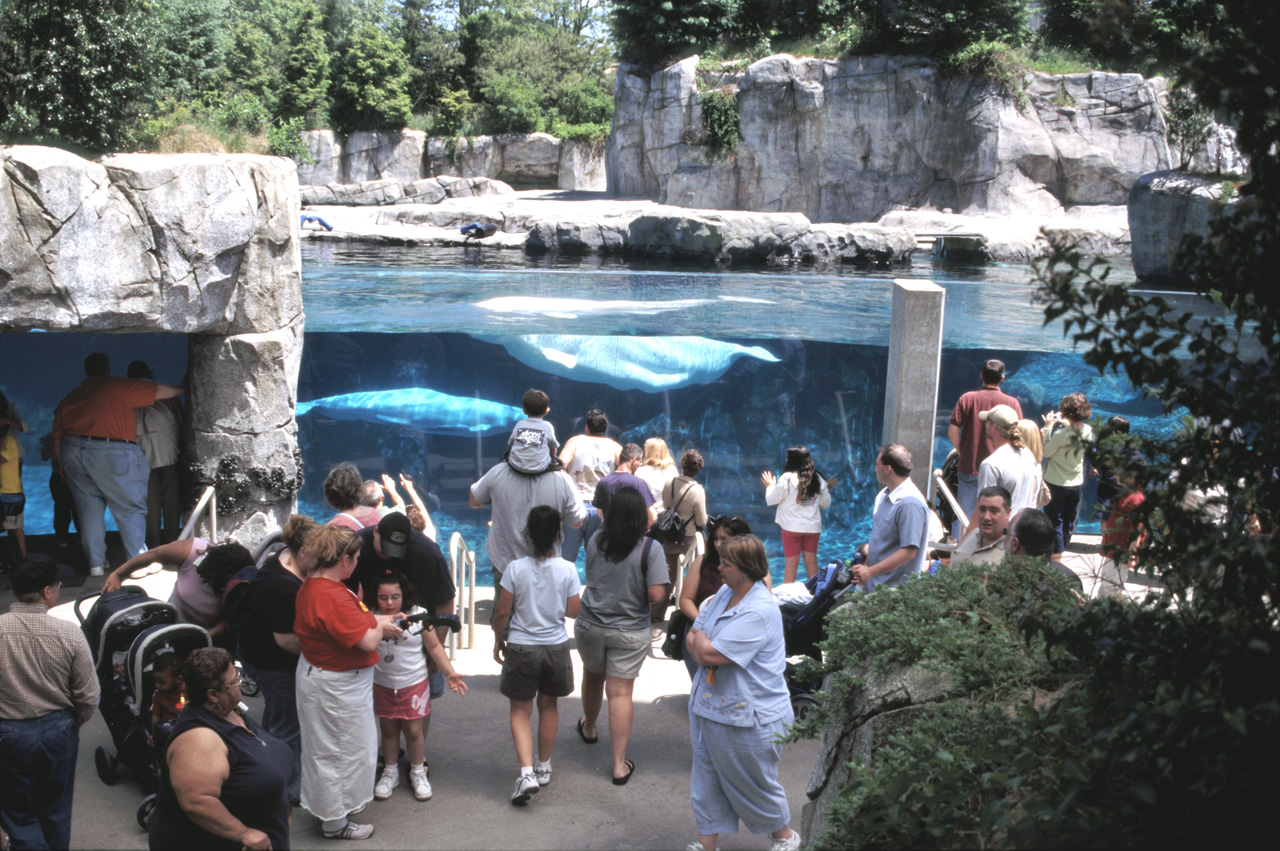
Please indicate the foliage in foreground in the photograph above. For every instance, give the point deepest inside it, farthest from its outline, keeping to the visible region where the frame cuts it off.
(1166, 729)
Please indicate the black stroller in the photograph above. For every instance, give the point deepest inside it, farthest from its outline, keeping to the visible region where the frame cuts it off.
(126, 630)
(804, 627)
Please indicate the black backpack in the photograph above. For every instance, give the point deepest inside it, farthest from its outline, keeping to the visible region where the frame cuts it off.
(669, 528)
(238, 594)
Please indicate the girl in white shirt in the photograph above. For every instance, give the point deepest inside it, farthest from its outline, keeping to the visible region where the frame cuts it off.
(800, 494)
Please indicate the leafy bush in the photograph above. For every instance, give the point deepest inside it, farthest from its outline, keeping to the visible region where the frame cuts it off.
(512, 105)
(1189, 125)
(720, 116)
(305, 91)
(284, 139)
(994, 60)
(654, 32)
(370, 87)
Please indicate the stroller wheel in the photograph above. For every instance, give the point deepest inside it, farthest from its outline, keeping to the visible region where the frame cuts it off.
(144, 811)
(248, 686)
(802, 705)
(105, 765)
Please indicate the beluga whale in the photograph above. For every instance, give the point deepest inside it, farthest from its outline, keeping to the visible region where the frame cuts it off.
(420, 408)
(652, 364)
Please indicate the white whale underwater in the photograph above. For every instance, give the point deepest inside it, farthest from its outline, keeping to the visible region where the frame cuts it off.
(417, 407)
(629, 363)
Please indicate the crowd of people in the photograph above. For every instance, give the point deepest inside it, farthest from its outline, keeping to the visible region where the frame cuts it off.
(339, 623)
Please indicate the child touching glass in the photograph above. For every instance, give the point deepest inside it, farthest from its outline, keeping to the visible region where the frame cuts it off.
(401, 698)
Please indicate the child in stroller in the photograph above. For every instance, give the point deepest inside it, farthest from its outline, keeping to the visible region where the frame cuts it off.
(804, 626)
(170, 695)
(143, 629)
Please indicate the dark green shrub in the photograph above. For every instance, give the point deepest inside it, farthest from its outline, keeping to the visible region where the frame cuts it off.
(369, 91)
(306, 71)
(654, 32)
(1189, 125)
(512, 105)
(720, 118)
(994, 60)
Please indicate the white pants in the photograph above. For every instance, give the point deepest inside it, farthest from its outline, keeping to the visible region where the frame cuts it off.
(339, 739)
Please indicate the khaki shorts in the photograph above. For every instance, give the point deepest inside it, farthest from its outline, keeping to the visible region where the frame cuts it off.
(10, 521)
(617, 652)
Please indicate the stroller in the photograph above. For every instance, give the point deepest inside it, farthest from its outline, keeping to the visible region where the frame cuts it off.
(126, 629)
(804, 627)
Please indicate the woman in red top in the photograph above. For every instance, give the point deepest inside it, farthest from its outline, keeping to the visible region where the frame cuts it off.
(338, 637)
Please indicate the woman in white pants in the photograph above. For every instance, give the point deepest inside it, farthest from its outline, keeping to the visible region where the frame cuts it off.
(338, 637)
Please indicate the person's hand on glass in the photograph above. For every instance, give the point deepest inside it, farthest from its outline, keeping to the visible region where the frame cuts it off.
(768, 478)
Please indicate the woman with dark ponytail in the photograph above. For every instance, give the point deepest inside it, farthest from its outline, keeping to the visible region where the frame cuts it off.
(800, 494)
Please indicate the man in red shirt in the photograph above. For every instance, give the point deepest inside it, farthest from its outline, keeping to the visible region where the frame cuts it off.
(969, 435)
(95, 448)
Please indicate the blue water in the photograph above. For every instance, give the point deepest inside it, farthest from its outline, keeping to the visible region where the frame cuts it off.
(764, 359)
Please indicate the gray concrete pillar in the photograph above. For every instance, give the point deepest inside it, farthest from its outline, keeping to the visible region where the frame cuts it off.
(911, 388)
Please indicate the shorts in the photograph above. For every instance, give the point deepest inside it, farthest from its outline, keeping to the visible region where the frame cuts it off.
(617, 652)
(793, 543)
(10, 522)
(529, 670)
(409, 703)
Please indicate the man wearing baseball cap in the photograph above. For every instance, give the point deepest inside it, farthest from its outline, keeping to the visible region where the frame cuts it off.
(968, 433)
(48, 691)
(1010, 465)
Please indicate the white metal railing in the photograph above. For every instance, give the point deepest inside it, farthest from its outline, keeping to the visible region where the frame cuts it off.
(951, 500)
(207, 500)
(462, 568)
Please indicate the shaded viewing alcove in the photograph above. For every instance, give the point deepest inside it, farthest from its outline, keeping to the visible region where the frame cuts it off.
(197, 244)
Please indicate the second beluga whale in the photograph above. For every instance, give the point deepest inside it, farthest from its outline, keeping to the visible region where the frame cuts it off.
(652, 364)
(421, 408)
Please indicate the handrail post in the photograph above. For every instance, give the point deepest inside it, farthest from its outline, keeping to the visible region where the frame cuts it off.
(951, 500)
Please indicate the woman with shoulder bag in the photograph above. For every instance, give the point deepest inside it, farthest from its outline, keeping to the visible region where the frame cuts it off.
(688, 499)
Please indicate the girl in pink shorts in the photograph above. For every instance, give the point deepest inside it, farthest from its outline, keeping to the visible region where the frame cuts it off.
(401, 698)
(800, 494)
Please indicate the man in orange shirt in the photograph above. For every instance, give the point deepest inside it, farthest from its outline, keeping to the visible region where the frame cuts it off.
(95, 449)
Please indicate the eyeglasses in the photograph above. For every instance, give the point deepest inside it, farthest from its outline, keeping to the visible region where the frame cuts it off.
(231, 684)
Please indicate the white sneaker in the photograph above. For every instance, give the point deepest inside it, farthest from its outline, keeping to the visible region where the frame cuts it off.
(97, 570)
(526, 787)
(791, 843)
(542, 773)
(389, 779)
(421, 785)
(695, 845)
(351, 830)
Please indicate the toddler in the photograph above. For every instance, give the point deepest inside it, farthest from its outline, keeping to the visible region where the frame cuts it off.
(533, 447)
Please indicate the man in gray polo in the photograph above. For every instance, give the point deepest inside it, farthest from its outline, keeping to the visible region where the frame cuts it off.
(512, 494)
(899, 526)
(47, 692)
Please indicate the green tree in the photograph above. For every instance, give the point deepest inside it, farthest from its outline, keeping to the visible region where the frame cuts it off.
(654, 32)
(254, 64)
(74, 71)
(191, 43)
(432, 53)
(370, 86)
(305, 89)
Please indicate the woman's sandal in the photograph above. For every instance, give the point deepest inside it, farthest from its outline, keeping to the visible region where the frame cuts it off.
(631, 769)
(582, 722)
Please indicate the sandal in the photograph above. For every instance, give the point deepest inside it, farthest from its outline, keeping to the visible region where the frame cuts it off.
(582, 722)
(631, 769)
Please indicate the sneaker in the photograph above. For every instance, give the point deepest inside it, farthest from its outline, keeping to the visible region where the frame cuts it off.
(351, 830)
(542, 773)
(695, 845)
(388, 780)
(791, 843)
(526, 787)
(97, 570)
(421, 785)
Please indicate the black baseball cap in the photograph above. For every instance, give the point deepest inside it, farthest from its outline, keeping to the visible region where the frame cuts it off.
(37, 572)
(393, 533)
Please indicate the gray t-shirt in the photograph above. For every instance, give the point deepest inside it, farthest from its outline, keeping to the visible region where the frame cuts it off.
(900, 520)
(542, 589)
(1016, 471)
(531, 445)
(617, 593)
(512, 494)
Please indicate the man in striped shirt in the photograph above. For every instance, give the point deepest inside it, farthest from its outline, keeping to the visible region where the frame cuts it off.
(47, 692)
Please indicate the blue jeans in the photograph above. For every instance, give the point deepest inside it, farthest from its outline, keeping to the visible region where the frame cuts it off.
(280, 714)
(575, 538)
(38, 776)
(105, 475)
(967, 496)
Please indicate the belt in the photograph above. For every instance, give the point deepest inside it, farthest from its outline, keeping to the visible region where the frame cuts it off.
(107, 439)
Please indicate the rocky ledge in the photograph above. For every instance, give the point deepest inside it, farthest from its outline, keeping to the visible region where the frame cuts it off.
(541, 223)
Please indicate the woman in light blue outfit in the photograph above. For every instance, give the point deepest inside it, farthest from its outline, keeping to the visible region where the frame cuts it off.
(739, 705)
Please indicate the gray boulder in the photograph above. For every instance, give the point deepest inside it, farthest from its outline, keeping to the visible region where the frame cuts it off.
(1163, 207)
(325, 152)
(384, 155)
(353, 194)
(581, 167)
(689, 236)
(426, 191)
(580, 236)
(475, 187)
(857, 244)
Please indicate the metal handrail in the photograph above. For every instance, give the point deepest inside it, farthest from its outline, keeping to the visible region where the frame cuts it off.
(951, 500)
(207, 500)
(462, 569)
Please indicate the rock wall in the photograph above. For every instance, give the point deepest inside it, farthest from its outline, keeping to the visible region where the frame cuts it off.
(1163, 207)
(206, 245)
(852, 139)
(536, 160)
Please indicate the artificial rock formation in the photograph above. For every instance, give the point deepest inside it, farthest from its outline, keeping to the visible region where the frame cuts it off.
(849, 140)
(1163, 207)
(201, 244)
